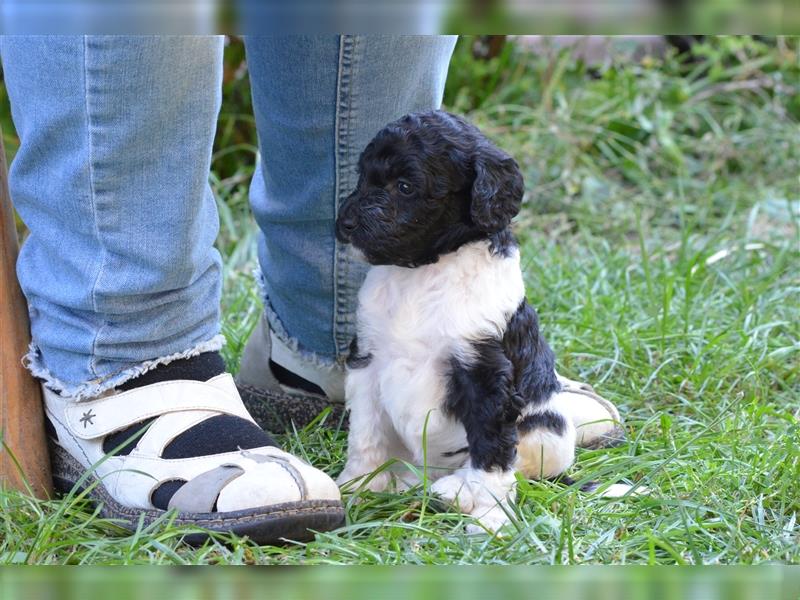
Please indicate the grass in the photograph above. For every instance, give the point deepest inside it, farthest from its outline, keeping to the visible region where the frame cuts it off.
(661, 245)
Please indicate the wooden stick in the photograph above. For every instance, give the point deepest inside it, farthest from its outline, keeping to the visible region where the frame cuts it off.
(21, 414)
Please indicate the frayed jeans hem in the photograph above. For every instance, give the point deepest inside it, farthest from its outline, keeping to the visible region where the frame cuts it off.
(308, 358)
(96, 387)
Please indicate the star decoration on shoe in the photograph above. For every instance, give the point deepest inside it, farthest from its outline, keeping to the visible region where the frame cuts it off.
(87, 417)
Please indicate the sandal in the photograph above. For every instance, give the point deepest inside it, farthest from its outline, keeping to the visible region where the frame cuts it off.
(596, 420)
(192, 447)
(278, 407)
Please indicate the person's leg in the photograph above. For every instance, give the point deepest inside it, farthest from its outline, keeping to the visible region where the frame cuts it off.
(111, 178)
(318, 101)
(123, 284)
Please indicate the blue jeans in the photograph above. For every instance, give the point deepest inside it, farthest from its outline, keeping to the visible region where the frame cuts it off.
(111, 178)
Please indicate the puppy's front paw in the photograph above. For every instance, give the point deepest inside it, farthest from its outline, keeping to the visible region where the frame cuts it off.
(454, 490)
(480, 494)
(491, 521)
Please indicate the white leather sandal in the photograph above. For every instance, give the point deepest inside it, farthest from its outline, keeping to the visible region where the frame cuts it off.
(279, 408)
(262, 492)
(596, 420)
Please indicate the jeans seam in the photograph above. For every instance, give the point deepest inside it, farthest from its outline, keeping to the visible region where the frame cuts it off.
(343, 134)
(93, 203)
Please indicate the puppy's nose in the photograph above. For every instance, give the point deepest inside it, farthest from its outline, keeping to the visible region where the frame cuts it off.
(346, 223)
(349, 221)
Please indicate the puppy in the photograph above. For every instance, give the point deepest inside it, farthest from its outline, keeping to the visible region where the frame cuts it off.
(449, 368)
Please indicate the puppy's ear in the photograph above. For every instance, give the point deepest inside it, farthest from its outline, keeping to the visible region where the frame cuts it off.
(497, 189)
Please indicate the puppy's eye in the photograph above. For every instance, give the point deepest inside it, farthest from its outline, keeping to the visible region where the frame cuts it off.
(404, 187)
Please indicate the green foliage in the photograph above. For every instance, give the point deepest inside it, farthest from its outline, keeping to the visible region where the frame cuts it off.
(661, 243)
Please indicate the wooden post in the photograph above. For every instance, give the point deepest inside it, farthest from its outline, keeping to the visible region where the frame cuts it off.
(21, 414)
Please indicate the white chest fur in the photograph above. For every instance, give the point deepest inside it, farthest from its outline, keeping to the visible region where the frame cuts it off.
(413, 321)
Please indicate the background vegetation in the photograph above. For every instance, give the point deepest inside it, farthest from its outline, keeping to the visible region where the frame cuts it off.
(661, 240)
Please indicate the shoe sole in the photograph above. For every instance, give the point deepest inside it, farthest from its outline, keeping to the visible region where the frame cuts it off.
(615, 437)
(273, 525)
(280, 412)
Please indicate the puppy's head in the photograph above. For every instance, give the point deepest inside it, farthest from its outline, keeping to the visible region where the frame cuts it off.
(428, 183)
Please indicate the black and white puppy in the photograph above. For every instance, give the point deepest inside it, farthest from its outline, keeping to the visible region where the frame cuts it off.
(447, 346)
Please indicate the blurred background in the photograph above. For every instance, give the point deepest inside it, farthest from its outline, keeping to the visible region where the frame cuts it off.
(465, 583)
(388, 16)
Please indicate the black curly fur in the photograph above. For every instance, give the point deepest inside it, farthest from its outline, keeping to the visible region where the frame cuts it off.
(488, 394)
(461, 188)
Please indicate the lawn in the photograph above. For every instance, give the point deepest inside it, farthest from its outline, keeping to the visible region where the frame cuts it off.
(661, 245)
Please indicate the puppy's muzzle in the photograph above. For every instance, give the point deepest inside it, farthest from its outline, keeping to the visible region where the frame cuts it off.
(347, 222)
